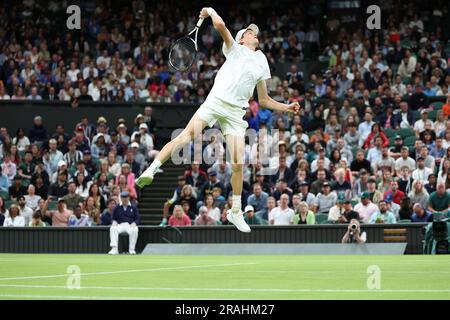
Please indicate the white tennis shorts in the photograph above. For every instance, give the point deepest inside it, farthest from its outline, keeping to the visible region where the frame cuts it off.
(230, 117)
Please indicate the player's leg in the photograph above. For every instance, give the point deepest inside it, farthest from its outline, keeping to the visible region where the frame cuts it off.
(236, 149)
(194, 127)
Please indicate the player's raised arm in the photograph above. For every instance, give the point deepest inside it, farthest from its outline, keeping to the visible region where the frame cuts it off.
(266, 101)
(219, 25)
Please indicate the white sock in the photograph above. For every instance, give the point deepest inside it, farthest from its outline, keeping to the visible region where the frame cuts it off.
(236, 203)
(153, 167)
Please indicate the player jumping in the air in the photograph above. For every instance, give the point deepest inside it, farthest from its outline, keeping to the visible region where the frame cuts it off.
(245, 67)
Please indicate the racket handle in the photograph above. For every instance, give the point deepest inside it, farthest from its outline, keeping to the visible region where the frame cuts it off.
(199, 23)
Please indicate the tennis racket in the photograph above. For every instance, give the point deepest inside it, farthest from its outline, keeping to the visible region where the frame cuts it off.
(183, 52)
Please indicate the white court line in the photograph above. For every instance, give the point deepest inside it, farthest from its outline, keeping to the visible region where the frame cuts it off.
(130, 271)
(235, 289)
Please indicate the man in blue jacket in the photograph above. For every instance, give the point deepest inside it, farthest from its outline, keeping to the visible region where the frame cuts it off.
(125, 219)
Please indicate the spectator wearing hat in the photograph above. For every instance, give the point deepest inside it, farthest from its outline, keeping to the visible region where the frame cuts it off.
(251, 217)
(396, 150)
(212, 183)
(138, 121)
(325, 199)
(337, 209)
(60, 216)
(87, 127)
(430, 186)
(383, 215)
(348, 214)
(102, 131)
(125, 220)
(123, 134)
(203, 219)
(38, 134)
(81, 142)
(258, 201)
(62, 167)
(179, 218)
(419, 125)
(146, 141)
(404, 161)
(305, 195)
(90, 164)
(366, 208)
(99, 148)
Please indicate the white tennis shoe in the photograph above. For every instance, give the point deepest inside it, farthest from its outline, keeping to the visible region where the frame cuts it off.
(238, 221)
(113, 251)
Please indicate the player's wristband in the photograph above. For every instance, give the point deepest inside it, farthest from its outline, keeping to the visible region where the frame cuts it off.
(211, 11)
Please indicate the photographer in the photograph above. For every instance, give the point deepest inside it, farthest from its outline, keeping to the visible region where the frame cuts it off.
(354, 234)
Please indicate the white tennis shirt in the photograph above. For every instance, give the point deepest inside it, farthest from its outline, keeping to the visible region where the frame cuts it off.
(238, 76)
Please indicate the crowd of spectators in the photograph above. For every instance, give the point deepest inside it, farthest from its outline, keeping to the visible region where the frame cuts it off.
(72, 177)
(120, 52)
(371, 142)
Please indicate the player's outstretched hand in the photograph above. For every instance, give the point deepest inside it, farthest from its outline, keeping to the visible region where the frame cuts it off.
(294, 107)
(204, 13)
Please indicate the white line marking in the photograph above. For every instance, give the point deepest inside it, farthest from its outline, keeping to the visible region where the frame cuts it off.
(129, 271)
(232, 289)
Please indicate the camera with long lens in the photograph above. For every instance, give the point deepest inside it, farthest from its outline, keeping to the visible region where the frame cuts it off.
(353, 226)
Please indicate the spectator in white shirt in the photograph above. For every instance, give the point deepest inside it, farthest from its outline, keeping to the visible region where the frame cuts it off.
(365, 128)
(375, 153)
(422, 172)
(404, 161)
(31, 198)
(419, 126)
(14, 219)
(25, 211)
(282, 215)
(73, 72)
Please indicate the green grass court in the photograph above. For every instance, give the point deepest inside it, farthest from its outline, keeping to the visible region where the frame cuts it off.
(39, 276)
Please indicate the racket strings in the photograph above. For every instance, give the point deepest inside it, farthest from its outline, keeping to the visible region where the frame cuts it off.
(182, 54)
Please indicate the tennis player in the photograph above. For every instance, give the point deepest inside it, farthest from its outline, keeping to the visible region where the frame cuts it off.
(245, 67)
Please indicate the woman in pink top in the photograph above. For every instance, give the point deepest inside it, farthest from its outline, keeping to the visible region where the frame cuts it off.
(179, 218)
